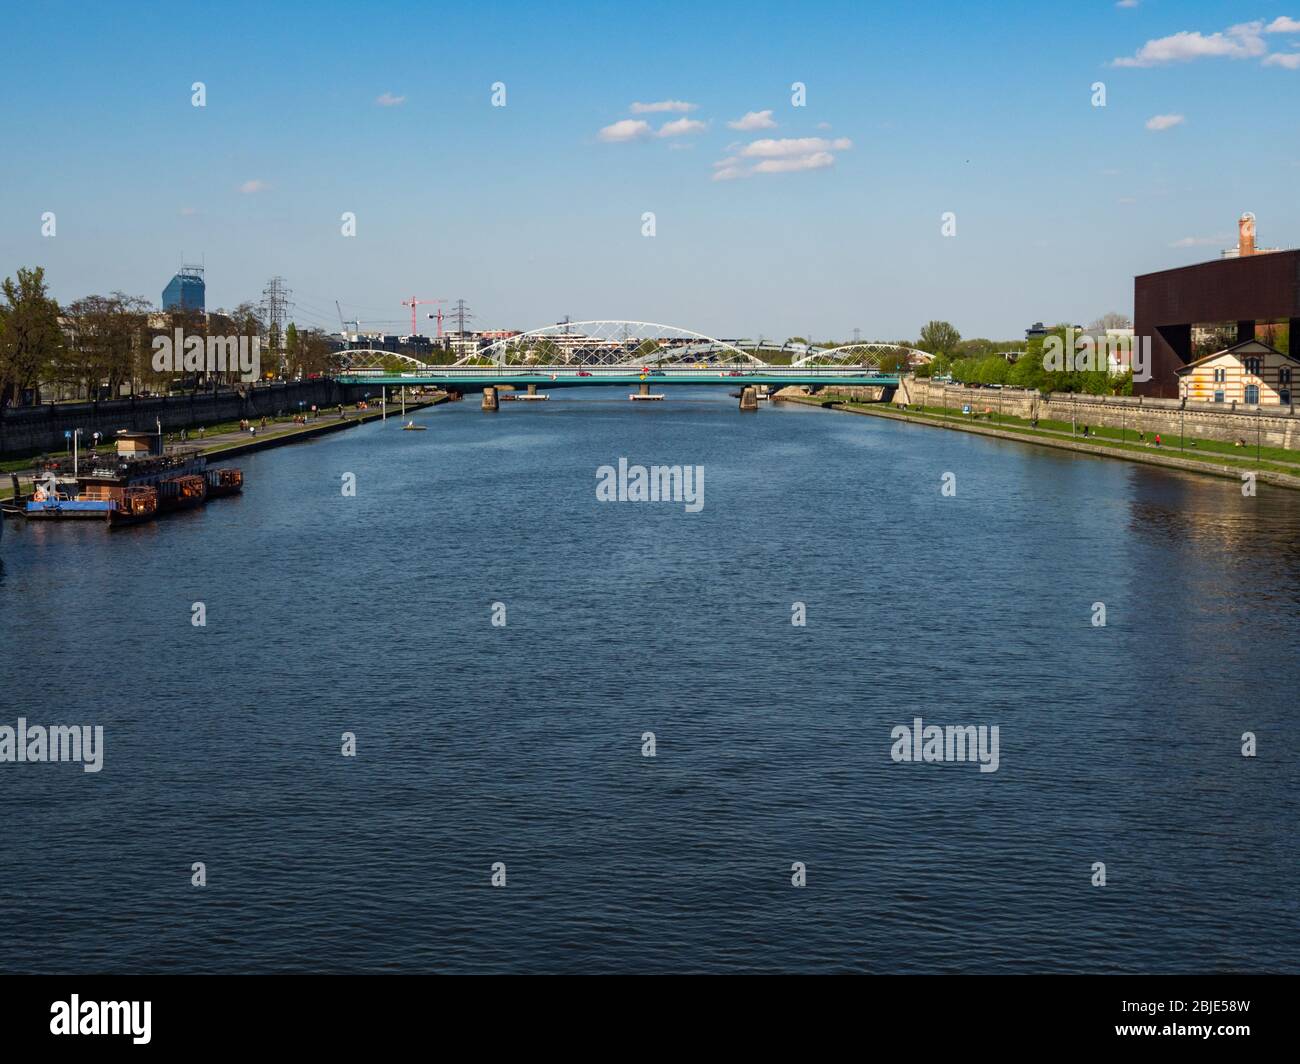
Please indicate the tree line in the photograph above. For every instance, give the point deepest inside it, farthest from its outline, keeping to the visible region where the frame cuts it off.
(101, 346)
(990, 363)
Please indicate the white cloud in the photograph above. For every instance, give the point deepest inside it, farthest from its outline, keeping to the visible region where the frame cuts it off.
(248, 188)
(1289, 60)
(1238, 42)
(818, 160)
(1282, 24)
(784, 156)
(1157, 123)
(790, 146)
(753, 120)
(625, 129)
(681, 126)
(1127, 3)
(672, 106)
(389, 100)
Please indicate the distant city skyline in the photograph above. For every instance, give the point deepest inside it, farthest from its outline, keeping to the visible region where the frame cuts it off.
(776, 211)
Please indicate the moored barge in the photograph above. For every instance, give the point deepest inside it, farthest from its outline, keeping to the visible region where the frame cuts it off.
(135, 483)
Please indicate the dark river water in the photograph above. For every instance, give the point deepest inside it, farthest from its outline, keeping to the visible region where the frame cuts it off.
(522, 743)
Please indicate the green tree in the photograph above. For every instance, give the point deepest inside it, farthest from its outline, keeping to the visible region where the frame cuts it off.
(32, 338)
(1036, 368)
(939, 338)
(249, 320)
(892, 361)
(292, 354)
(316, 354)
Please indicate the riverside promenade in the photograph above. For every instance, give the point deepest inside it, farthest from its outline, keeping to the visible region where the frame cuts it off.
(230, 442)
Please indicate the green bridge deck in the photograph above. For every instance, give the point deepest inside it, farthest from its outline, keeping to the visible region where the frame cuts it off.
(476, 377)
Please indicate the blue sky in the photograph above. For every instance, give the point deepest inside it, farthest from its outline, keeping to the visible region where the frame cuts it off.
(529, 213)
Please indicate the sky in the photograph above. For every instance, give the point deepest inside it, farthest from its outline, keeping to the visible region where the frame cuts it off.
(769, 218)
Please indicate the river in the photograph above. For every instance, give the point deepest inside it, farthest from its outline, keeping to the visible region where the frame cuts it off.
(521, 743)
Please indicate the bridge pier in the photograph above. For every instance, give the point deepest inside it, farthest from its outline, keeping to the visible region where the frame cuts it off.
(645, 389)
(490, 399)
(532, 389)
(749, 398)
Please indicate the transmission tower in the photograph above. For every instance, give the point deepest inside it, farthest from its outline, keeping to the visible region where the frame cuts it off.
(461, 313)
(276, 301)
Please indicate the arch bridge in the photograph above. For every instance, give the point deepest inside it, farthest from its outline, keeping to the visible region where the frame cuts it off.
(607, 352)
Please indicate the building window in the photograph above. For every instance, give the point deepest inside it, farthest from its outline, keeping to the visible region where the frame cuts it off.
(1252, 366)
(1284, 375)
(1284, 397)
(1252, 395)
(1218, 396)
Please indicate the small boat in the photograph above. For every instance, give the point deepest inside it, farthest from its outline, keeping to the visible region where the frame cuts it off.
(411, 426)
(223, 482)
(134, 506)
(182, 493)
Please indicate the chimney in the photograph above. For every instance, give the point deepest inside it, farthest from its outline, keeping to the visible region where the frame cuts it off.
(1246, 235)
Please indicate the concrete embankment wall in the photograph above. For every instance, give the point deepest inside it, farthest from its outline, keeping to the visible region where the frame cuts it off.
(1277, 427)
(33, 430)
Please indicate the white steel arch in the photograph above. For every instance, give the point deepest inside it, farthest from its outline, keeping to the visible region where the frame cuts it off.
(866, 353)
(361, 357)
(610, 343)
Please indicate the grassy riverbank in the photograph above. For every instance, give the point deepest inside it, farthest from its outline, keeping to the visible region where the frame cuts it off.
(1274, 464)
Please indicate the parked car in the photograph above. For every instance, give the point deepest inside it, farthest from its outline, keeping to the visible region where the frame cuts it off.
(583, 373)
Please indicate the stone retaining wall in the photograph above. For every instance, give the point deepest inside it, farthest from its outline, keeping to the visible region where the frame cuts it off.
(34, 430)
(1227, 422)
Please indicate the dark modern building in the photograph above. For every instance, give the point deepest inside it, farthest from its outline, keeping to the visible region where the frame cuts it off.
(185, 291)
(1245, 290)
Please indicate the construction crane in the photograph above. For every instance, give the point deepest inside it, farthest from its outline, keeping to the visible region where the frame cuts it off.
(356, 323)
(413, 303)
